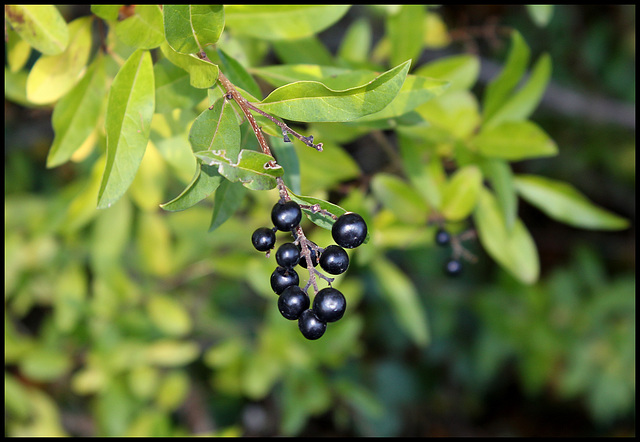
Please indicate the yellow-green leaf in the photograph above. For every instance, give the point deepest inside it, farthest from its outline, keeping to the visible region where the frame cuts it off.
(562, 202)
(42, 26)
(52, 76)
(128, 123)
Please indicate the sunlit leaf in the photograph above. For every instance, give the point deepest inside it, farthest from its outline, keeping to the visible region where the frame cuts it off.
(314, 102)
(515, 141)
(76, 115)
(276, 22)
(52, 76)
(562, 202)
(460, 193)
(500, 87)
(405, 30)
(202, 74)
(142, 30)
(189, 28)
(513, 249)
(42, 26)
(128, 123)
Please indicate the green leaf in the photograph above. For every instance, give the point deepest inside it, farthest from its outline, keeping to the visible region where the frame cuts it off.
(312, 101)
(252, 168)
(277, 22)
(540, 14)
(144, 29)
(460, 194)
(499, 89)
(331, 76)
(500, 176)
(173, 90)
(216, 128)
(356, 44)
(426, 175)
(237, 74)
(171, 353)
(128, 123)
(513, 248)
(317, 216)
(189, 28)
(405, 29)
(228, 199)
(76, 115)
(42, 26)
(403, 298)
(202, 74)
(400, 198)
(522, 103)
(169, 315)
(459, 70)
(303, 50)
(564, 203)
(414, 92)
(515, 141)
(106, 12)
(52, 76)
(204, 183)
(18, 51)
(44, 364)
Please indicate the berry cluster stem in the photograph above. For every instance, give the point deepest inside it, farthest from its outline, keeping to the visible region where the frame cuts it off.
(246, 107)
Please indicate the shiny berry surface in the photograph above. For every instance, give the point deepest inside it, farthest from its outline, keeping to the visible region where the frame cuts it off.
(334, 260)
(288, 255)
(349, 230)
(292, 302)
(329, 305)
(282, 278)
(286, 216)
(310, 326)
(263, 239)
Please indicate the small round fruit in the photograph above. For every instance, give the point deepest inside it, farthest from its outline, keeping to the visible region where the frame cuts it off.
(310, 326)
(334, 260)
(312, 253)
(329, 305)
(263, 239)
(442, 237)
(453, 267)
(282, 278)
(288, 255)
(286, 216)
(349, 230)
(292, 302)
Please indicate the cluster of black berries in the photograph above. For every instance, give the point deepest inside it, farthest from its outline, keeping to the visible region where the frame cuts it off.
(329, 304)
(453, 266)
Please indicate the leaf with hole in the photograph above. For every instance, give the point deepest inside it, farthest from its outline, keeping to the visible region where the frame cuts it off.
(252, 168)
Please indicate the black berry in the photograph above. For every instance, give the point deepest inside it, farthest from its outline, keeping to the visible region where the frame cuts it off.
(334, 260)
(442, 237)
(263, 239)
(349, 230)
(310, 326)
(282, 278)
(286, 216)
(453, 267)
(329, 305)
(312, 253)
(288, 255)
(292, 302)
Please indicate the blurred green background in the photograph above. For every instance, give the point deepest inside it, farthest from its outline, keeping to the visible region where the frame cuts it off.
(134, 321)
